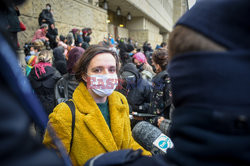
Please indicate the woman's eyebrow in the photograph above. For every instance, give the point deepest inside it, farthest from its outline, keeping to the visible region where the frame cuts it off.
(97, 67)
(101, 67)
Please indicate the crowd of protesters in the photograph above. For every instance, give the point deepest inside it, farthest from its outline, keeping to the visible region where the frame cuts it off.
(207, 118)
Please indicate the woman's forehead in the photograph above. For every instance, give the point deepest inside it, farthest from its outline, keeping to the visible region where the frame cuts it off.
(103, 59)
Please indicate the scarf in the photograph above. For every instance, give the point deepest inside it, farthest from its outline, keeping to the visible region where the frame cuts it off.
(41, 68)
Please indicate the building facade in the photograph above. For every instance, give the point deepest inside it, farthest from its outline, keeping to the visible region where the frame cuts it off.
(140, 20)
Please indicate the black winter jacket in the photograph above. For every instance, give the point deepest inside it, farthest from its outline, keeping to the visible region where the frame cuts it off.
(52, 33)
(44, 86)
(46, 15)
(59, 61)
(137, 94)
(160, 101)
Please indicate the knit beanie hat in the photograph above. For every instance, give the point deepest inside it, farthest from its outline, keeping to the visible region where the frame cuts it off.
(31, 60)
(229, 16)
(140, 57)
(74, 55)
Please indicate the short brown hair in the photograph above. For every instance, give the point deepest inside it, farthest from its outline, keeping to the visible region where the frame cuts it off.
(160, 57)
(83, 63)
(183, 39)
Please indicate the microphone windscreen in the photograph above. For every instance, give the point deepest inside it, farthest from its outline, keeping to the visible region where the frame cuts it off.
(145, 134)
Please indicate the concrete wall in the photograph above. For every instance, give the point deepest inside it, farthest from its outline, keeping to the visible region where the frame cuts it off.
(137, 23)
(180, 7)
(154, 39)
(139, 35)
(141, 30)
(165, 37)
(68, 14)
(151, 27)
(155, 11)
(111, 29)
(123, 32)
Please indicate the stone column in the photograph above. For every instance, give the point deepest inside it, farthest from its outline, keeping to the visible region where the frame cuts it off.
(165, 36)
(141, 30)
(180, 7)
(137, 31)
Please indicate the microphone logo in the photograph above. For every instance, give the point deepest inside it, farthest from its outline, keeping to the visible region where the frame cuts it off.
(163, 143)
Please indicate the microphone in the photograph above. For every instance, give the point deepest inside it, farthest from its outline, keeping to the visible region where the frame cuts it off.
(151, 138)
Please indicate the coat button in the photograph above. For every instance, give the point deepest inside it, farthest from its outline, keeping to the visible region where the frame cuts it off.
(241, 122)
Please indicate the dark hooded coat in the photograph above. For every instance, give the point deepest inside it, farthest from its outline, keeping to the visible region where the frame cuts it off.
(44, 86)
(59, 61)
(46, 15)
(137, 93)
(160, 101)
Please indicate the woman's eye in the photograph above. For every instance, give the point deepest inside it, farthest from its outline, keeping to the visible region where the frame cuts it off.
(112, 70)
(97, 70)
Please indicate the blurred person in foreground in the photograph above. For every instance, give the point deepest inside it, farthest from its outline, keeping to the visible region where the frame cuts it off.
(18, 108)
(102, 121)
(209, 68)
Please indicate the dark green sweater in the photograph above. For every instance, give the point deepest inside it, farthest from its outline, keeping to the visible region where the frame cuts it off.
(104, 107)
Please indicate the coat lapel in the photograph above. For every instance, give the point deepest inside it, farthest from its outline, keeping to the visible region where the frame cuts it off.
(93, 118)
(117, 111)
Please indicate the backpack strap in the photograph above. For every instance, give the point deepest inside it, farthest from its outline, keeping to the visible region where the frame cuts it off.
(71, 105)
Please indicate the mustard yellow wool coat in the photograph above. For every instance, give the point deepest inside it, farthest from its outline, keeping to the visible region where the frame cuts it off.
(92, 135)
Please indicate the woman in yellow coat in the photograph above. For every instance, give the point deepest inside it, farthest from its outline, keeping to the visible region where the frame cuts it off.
(102, 121)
